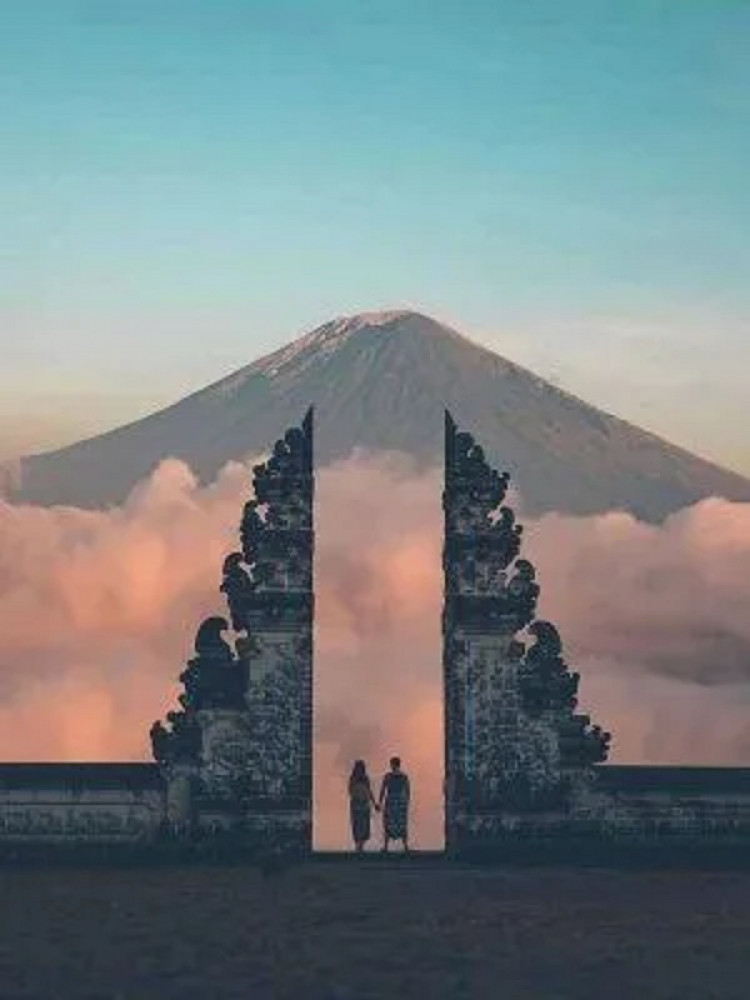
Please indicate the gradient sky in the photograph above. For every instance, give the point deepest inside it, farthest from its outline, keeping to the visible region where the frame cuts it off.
(186, 184)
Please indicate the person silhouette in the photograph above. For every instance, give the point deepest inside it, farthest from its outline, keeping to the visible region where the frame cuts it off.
(395, 793)
(360, 800)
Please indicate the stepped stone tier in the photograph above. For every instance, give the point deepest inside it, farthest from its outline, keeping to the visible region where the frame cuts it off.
(522, 764)
(237, 755)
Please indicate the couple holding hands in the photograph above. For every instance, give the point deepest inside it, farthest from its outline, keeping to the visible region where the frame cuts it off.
(393, 802)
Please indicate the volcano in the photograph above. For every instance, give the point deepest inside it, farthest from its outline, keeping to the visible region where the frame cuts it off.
(381, 381)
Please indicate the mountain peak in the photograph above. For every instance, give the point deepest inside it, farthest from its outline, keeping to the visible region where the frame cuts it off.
(380, 381)
(383, 317)
(331, 336)
(395, 320)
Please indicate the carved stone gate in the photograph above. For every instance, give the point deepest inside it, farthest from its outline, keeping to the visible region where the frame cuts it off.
(516, 752)
(237, 755)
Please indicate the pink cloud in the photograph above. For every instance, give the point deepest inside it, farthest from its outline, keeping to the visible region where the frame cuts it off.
(98, 612)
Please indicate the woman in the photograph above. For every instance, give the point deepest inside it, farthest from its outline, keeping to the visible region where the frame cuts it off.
(360, 800)
(395, 793)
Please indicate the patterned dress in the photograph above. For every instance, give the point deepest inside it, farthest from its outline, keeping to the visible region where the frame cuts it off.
(360, 797)
(396, 805)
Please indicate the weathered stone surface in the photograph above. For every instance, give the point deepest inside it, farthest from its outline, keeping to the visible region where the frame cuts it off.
(514, 746)
(80, 803)
(522, 764)
(241, 748)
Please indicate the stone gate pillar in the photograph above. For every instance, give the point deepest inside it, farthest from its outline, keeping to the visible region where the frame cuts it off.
(277, 616)
(513, 746)
(243, 735)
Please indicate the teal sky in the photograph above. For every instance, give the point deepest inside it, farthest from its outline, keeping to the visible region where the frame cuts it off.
(185, 184)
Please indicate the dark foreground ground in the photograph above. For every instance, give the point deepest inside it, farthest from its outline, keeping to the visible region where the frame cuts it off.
(374, 930)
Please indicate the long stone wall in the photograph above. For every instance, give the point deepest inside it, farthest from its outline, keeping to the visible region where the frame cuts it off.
(81, 804)
(648, 803)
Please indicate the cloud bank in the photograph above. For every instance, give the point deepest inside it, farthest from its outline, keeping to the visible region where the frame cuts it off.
(98, 612)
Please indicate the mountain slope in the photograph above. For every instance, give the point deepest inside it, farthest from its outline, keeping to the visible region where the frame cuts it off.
(381, 381)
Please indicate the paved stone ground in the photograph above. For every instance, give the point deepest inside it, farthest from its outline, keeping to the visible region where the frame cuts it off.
(332, 931)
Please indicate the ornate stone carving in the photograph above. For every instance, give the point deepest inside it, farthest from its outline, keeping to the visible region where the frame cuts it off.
(545, 682)
(547, 685)
(513, 740)
(522, 593)
(227, 754)
(236, 585)
(277, 539)
(214, 678)
(246, 720)
(179, 742)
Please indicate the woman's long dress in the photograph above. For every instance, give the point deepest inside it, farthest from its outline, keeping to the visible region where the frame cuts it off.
(360, 797)
(396, 806)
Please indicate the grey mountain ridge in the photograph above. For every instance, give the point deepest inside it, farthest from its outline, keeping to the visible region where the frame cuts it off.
(381, 381)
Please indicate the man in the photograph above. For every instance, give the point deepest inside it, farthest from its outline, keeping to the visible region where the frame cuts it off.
(394, 802)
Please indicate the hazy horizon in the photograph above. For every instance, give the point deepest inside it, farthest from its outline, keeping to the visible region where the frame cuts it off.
(37, 432)
(188, 186)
